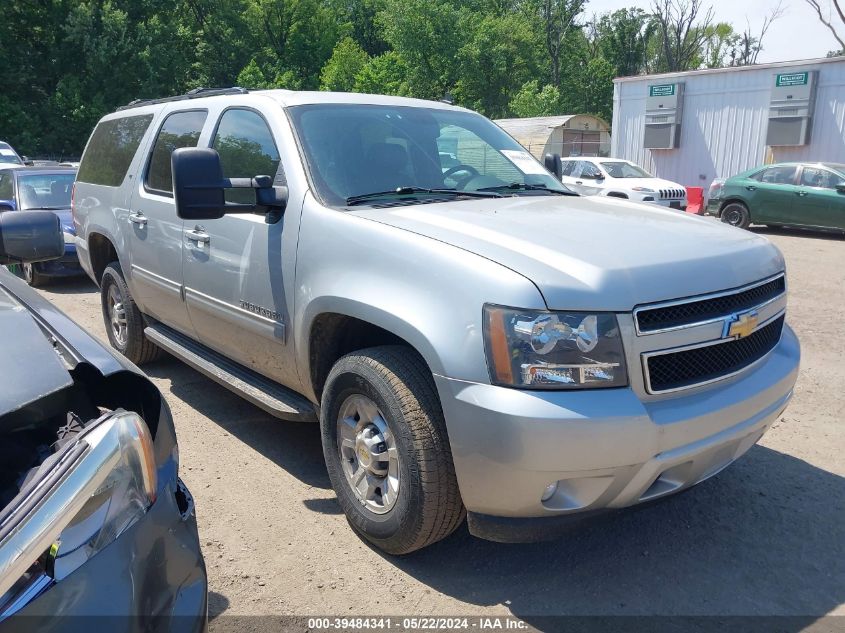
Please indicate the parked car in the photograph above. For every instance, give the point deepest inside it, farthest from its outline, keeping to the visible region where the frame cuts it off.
(617, 178)
(8, 155)
(47, 189)
(810, 195)
(94, 520)
(500, 346)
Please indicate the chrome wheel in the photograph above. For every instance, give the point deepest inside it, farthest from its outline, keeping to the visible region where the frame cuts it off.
(117, 315)
(27, 273)
(368, 454)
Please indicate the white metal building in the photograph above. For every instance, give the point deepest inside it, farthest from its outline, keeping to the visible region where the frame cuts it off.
(567, 134)
(728, 120)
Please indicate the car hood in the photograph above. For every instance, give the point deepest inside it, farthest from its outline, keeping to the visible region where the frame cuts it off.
(591, 253)
(30, 367)
(650, 183)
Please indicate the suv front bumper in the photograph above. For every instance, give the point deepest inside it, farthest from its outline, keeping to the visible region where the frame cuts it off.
(606, 449)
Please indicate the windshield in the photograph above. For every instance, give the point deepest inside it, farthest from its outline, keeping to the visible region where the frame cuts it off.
(8, 155)
(45, 191)
(355, 150)
(621, 169)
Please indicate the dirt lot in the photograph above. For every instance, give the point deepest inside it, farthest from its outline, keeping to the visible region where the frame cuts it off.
(765, 537)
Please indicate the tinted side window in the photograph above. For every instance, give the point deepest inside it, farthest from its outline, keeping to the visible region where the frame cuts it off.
(777, 175)
(7, 187)
(180, 129)
(566, 167)
(589, 170)
(246, 149)
(111, 149)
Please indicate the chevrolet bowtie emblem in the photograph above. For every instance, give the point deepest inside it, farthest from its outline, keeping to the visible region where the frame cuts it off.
(740, 325)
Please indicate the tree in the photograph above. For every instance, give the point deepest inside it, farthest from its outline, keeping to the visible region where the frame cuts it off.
(826, 16)
(559, 20)
(682, 30)
(748, 46)
(384, 74)
(720, 42)
(623, 37)
(347, 60)
(531, 100)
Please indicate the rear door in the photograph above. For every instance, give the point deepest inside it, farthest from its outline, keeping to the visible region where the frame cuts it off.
(234, 281)
(820, 203)
(155, 232)
(772, 194)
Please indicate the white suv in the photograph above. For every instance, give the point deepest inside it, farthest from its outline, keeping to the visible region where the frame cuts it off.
(618, 178)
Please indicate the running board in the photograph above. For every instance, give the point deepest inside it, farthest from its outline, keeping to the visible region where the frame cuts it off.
(275, 399)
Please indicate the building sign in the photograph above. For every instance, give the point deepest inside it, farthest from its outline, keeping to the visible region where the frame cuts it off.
(791, 79)
(664, 90)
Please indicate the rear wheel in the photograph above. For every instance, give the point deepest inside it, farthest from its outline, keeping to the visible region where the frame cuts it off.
(387, 451)
(33, 277)
(124, 322)
(736, 214)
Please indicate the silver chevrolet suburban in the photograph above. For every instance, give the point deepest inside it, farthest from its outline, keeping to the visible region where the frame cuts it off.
(474, 339)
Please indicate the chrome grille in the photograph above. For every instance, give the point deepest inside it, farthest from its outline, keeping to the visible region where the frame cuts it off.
(684, 313)
(706, 363)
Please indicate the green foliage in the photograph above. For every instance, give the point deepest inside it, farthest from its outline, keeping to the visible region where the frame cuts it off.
(531, 100)
(68, 62)
(347, 60)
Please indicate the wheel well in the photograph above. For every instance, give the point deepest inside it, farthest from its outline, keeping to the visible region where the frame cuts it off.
(335, 335)
(102, 253)
(617, 194)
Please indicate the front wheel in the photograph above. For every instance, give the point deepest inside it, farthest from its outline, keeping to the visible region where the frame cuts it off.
(387, 451)
(124, 322)
(33, 277)
(736, 214)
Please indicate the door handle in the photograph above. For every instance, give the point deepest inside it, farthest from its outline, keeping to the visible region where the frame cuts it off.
(751, 188)
(198, 235)
(136, 217)
(578, 182)
(801, 193)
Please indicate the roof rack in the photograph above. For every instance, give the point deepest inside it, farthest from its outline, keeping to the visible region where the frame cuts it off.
(196, 93)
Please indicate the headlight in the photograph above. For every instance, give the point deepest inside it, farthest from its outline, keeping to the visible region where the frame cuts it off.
(553, 350)
(123, 498)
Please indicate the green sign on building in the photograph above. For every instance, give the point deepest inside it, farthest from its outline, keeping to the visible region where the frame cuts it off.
(791, 79)
(663, 90)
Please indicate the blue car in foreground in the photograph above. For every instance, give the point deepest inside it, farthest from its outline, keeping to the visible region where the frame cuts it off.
(45, 189)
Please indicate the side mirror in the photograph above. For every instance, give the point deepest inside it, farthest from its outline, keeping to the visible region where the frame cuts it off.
(553, 164)
(199, 185)
(840, 188)
(30, 236)
(27, 161)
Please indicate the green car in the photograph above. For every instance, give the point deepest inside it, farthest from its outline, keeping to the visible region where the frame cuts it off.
(792, 194)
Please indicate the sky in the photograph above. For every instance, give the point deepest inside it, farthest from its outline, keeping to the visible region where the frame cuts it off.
(796, 35)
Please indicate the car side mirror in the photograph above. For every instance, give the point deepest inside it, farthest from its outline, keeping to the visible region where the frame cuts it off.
(27, 161)
(30, 236)
(553, 164)
(840, 188)
(199, 187)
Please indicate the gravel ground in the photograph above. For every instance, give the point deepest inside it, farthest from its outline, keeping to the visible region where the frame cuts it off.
(765, 537)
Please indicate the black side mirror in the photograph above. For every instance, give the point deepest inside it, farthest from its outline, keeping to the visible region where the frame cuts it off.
(198, 187)
(27, 161)
(553, 164)
(840, 188)
(30, 236)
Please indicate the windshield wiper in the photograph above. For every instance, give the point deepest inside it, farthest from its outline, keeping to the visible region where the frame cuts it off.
(401, 191)
(521, 186)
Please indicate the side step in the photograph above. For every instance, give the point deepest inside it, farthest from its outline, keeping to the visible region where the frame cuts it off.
(260, 391)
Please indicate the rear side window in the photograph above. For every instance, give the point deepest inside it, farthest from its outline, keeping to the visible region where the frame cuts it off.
(777, 175)
(180, 129)
(111, 149)
(246, 149)
(7, 188)
(567, 167)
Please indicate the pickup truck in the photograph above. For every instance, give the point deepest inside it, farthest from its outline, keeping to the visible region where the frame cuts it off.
(474, 339)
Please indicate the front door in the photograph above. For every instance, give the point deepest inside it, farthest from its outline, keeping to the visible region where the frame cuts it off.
(233, 265)
(155, 231)
(772, 194)
(820, 203)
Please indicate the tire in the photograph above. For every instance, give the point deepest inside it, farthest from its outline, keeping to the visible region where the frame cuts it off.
(736, 214)
(131, 343)
(426, 504)
(33, 277)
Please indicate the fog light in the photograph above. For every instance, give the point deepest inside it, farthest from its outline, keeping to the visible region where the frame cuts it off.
(549, 492)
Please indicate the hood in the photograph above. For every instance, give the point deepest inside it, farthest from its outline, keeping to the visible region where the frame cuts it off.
(29, 365)
(589, 253)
